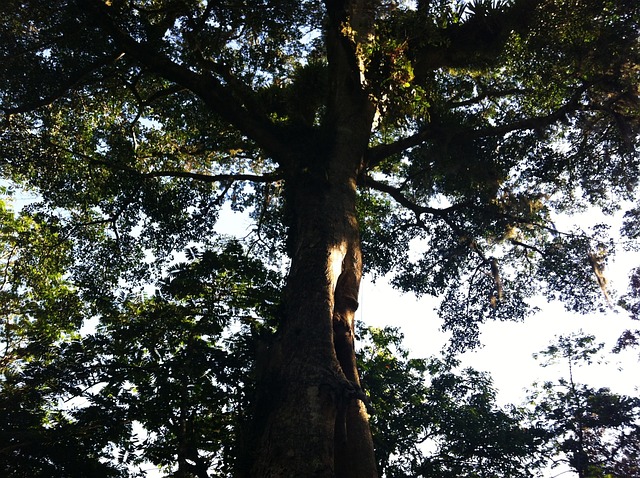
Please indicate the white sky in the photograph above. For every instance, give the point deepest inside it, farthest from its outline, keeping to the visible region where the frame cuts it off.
(507, 346)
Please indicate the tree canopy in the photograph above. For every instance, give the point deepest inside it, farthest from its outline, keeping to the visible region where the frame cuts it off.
(434, 142)
(594, 431)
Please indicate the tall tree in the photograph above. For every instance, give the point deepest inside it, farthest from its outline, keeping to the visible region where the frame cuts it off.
(348, 129)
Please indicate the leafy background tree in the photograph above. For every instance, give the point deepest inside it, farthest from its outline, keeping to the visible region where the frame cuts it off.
(41, 311)
(430, 418)
(349, 131)
(595, 431)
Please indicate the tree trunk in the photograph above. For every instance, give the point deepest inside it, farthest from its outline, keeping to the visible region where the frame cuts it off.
(315, 422)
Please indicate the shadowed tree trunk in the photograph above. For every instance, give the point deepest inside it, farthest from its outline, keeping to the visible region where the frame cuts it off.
(316, 408)
(318, 425)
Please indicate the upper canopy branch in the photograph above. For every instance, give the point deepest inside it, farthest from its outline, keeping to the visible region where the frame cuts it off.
(241, 91)
(211, 178)
(532, 123)
(404, 201)
(487, 94)
(479, 39)
(378, 153)
(216, 95)
(208, 178)
(445, 213)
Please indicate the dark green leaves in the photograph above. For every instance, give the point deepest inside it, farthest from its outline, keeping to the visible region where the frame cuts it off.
(161, 378)
(431, 419)
(594, 431)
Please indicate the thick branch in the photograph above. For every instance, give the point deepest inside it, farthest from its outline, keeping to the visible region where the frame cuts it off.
(374, 156)
(208, 178)
(489, 94)
(211, 178)
(163, 93)
(401, 199)
(349, 27)
(377, 154)
(216, 96)
(533, 123)
(444, 213)
(527, 246)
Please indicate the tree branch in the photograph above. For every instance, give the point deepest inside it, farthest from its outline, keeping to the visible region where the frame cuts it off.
(536, 122)
(401, 199)
(444, 214)
(211, 178)
(479, 39)
(216, 96)
(377, 154)
(208, 178)
(486, 94)
(529, 247)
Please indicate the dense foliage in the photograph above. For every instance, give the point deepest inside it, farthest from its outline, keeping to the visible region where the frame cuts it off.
(434, 142)
(595, 431)
(166, 379)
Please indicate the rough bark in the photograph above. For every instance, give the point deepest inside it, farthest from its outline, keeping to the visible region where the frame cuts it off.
(316, 422)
